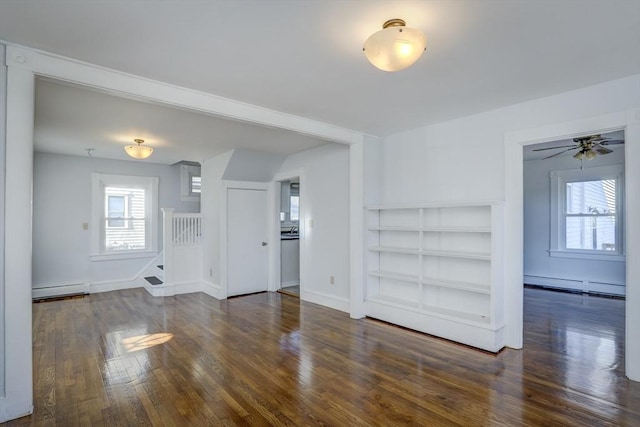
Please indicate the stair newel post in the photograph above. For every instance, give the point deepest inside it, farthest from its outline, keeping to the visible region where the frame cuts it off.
(167, 243)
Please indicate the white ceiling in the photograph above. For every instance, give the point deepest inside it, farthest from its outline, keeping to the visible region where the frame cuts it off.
(304, 57)
(70, 119)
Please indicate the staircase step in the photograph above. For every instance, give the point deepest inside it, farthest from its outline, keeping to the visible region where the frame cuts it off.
(161, 267)
(153, 280)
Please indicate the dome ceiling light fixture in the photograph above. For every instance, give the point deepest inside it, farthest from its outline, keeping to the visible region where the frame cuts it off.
(395, 47)
(138, 151)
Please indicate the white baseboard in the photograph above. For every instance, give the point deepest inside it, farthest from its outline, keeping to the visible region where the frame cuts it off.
(213, 290)
(108, 286)
(476, 335)
(59, 290)
(169, 290)
(331, 301)
(617, 289)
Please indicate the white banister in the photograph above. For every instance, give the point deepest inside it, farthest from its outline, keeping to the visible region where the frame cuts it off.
(167, 243)
(186, 229)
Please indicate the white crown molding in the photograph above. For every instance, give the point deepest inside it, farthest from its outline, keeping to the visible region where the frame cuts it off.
(57, 67)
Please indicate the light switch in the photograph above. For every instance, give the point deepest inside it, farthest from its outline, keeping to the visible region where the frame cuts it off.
(310, 223)
(85, 225)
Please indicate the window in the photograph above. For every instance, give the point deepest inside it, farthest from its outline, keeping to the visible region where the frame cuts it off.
(294, 208)
(191, 182)
(586, 213)
(196, 184)
(124, 216)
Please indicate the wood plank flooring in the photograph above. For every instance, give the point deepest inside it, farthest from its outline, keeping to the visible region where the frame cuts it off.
(126, 359)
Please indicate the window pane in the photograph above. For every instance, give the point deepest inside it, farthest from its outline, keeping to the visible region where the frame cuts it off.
(196, 184)
(591, 233)
(125, 219)
(294, 208)
(591, 197)
(131, 237)
(115, 209)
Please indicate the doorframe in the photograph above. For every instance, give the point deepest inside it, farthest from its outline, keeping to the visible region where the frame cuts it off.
(629, 121)
(275, 250)
(224, 225)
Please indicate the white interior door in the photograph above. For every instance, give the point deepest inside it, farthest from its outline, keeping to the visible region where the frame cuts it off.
(246, 241)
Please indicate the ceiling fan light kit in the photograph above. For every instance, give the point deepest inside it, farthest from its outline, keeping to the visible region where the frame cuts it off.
(395, 47)
(138, 151)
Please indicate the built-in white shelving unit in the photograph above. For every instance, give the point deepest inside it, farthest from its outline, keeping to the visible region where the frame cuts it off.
(437, 269)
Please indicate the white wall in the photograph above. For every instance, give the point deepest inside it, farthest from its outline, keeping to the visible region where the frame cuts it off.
(463, 159)
(62, 203)
(543, 269)
(252, 165)
(212, 172)
(326, 204)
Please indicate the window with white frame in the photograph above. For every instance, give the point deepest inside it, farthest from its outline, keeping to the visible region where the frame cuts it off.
(191, 182)
(124, 214)
(586, 213)
(196, 184)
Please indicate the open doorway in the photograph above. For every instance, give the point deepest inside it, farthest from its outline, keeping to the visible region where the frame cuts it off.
(289, 214)
(574, 266)
(574, 214)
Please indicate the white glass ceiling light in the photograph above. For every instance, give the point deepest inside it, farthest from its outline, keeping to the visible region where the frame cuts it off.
(138, 151)
(395, 47)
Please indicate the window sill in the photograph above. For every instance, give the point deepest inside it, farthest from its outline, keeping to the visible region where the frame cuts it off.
(123, 255)
(587, 255)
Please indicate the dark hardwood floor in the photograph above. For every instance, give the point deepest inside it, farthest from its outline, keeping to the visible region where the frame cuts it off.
(126, 358)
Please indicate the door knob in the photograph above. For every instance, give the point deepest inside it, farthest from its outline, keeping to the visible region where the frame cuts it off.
(264, 243)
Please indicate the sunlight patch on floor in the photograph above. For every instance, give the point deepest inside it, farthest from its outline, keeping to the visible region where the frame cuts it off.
(142, 342)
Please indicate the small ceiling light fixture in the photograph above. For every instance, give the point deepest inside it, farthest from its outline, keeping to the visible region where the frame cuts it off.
(395, 47)
(138, 151)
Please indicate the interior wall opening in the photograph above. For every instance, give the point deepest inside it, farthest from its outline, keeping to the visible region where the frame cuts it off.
(574, 253)
(289, 227)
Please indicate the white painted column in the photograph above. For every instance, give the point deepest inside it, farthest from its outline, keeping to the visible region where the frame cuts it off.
(356, 230)
(167, 244)
(632, 231)
(3, 122)
(18, 400)
(513, 246)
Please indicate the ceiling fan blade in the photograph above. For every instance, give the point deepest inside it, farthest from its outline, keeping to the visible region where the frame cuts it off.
(602, 150)
(611, 142)
(555, 148)
(561, 152)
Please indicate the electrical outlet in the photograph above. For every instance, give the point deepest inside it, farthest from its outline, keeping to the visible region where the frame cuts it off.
(332, 280)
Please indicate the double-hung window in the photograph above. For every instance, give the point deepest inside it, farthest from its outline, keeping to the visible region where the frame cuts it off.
(124, 213)
(586, 213)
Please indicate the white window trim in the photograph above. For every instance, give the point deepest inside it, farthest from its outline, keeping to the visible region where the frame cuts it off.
(559, 179)
(98, 183)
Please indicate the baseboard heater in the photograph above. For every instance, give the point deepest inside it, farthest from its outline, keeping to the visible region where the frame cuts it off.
(60, 291)
(59, 297)
(582, 286)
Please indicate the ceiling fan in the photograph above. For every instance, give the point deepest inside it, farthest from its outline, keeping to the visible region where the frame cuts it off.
(588, 147)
